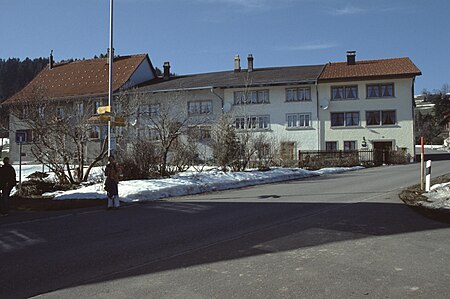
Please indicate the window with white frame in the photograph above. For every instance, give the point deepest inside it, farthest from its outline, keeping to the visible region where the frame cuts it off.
(384, 90)
(381, 118)
(349, 92)
(24, 136)
(95, 132)
(200, 107)
(350, 145)
(59, 112)
(256, 122)
(344, 119)
(79, 108)
(154, 109)
(200, 133)
(251, 97)
(298, 94)
(41, 112)
(331, 145)
(298, 120)
(97, 104)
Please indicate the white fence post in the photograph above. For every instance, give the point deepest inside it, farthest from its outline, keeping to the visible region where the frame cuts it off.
(428, 176)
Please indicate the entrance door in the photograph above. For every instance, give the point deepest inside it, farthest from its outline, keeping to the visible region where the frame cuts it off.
(382, 151)
(288, 152)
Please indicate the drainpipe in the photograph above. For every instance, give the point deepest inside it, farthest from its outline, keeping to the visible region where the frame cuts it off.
(319, 145)
(221, 99)
(413, 119)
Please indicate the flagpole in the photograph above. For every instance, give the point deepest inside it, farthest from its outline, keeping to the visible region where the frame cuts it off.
(110, 63)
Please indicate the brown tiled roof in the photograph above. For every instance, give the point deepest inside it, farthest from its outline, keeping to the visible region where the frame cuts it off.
(232, 79)
(393, 67)
(80, 78)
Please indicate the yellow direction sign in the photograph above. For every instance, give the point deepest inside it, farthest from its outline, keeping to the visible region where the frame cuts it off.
(103, 109)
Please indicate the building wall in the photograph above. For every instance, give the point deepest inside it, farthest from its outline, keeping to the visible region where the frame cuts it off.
(142, 74)
(277, 109)
(401, 134)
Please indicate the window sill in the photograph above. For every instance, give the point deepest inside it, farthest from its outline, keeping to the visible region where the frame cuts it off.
(347, 127)
(383, 126)
(300, 129)
(253, 130)
(378, 98)
(343, 100)
(199, 114)
(251, 104)
(298, 101)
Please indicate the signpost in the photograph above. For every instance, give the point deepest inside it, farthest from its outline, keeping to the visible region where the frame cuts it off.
(110, 60)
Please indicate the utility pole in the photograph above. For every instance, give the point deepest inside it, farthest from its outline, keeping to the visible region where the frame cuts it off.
(110, 80)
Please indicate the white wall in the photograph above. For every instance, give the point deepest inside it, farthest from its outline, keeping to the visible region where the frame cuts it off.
(401, 133)
(142, 74)
(277, 108)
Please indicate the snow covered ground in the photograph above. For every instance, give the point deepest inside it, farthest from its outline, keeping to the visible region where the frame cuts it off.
(192, 182)
(438, 197)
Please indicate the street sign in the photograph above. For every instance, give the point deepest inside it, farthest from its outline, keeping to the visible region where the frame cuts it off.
(103, 109)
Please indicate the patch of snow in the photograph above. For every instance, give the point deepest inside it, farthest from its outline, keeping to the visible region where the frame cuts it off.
(190, 182)
(438, 197)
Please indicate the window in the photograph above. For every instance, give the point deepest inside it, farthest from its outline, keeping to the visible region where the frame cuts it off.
(41, 112)
(349, 145)
(298, 94)
(94, 133)
(199, 107)
(381, 118)
(96, 105)
(154, 109)
(259, 122)
(331, 145)
(117, 107)
(380, 90)
(298, 120)
(79, 109)
(24, 136)
(251, 97)
(344, 92)
(200, 133)
(59, 112)
(344, 119)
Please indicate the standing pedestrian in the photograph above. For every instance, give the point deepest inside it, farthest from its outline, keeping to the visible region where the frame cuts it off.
(7, 183)
(112, 172)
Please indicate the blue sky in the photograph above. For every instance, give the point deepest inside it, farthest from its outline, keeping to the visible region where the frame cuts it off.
(204, 35)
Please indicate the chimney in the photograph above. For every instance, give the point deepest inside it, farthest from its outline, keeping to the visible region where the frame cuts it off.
(351, 57)
(250, 63)
(50, 60)
(166, 70)
(237, 63)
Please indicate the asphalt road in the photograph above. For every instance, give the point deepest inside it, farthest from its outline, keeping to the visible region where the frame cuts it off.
(336, 236)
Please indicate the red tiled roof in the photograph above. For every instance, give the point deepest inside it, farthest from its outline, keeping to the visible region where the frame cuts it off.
(393, 67)
(80, 78)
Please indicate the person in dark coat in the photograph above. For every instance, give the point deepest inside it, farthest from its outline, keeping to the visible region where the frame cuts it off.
(7, 183)
(112, 172)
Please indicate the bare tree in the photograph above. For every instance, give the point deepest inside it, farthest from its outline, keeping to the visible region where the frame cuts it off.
(225, 143)
(61, 130)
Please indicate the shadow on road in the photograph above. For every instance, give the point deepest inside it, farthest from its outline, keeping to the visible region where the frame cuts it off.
(164, 236)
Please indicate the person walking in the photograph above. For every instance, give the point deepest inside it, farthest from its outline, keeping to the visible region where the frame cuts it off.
(7, 182)
(112, 172)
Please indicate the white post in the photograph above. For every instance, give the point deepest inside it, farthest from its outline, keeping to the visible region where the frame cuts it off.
(428, 176)
(110, 61)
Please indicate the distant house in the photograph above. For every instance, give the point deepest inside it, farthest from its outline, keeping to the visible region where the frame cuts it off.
(368, 104)
(77, 87)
